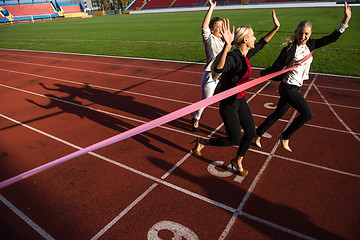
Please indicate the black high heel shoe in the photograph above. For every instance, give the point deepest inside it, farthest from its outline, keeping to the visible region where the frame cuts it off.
(193, 128)
(194, 150)
(236, 166)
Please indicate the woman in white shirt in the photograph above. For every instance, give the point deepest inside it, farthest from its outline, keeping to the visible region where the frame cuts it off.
(299, 46)
(213, 46)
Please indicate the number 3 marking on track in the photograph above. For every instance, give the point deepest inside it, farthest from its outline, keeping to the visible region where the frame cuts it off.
(212, 169)
(179, 231)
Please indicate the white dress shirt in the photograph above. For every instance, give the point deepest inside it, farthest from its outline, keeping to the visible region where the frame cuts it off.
(300, 73)
(213, 46)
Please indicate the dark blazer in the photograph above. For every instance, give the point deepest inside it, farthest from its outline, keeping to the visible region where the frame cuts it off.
(234, 69)
(288, 53)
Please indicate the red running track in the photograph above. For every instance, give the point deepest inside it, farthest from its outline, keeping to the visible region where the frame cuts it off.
(150, 186)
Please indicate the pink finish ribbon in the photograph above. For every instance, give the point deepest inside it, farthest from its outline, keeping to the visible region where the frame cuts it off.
(149, 125)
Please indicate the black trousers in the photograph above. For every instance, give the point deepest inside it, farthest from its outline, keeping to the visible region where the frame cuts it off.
(290, 96)
(235, 116)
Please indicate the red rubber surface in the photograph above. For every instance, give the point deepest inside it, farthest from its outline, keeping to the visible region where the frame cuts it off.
(149, 185)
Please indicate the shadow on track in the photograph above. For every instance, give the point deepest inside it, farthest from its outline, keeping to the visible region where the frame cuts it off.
(231, 194)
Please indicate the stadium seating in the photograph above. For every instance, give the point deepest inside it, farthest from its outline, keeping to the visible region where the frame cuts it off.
(4, 15)
(188, 3)
(157, 4)
(74, 10)
(3, 19)
(31, 11)
(71, 8)
(136, 5)
(152, 4)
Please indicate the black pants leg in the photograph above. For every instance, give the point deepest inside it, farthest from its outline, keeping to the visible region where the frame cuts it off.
(290, 96)
(235, 116)
(297, 101)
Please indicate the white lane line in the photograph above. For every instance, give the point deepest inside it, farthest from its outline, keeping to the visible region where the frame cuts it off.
(151, 188)
(99, 110)
(332, 104)
(158, 60)
(139, 121)
(256, 179)
(166, 99)
(101, 73)
(262, 220)
(141, 197)
(163, 127)
(281, 228)
(106, 56)
(114, 64)
(306, 163)
(155, 179)
(162, 98)
(101, 87)
(289, 230)
(338, 88)
(148, 176)
(318, 166)
(26, 219)
(124, 212)
(337, 116)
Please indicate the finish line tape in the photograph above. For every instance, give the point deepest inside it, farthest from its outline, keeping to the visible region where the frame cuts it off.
(149, 125)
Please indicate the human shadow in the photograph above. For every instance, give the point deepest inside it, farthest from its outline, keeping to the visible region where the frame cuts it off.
(231, 194)
(69, 105)
(121, 102)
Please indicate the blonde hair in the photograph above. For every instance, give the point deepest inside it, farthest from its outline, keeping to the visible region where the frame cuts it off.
(240, 33)
(292, 40)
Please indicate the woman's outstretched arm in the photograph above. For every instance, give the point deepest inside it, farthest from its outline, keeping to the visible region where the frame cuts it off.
(275, 29)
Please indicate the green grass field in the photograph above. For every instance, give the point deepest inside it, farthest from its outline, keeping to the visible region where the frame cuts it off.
(177, 36)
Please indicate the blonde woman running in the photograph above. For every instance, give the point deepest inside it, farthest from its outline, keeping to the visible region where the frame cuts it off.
(299, 46)
(235, 69)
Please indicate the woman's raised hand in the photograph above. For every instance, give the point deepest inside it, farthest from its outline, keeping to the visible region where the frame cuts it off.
(228, 35)
(212, 3)
(347, 13)
(275, 19)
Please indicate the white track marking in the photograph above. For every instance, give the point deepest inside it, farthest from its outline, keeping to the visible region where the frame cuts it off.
(102, 73)
(26, 219)
(167, 99)
(113, 64)
(273, 225)
(142, 196)
(101, 87)
(99, 110)
(318, 166)
(269, 223)
(159, 60)
(153, 96)
(337, 116)
(148, 176)
(140, 121)
(106, 56)
(338, 88)
(155, 179)
(306, 163)
(124, 212)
